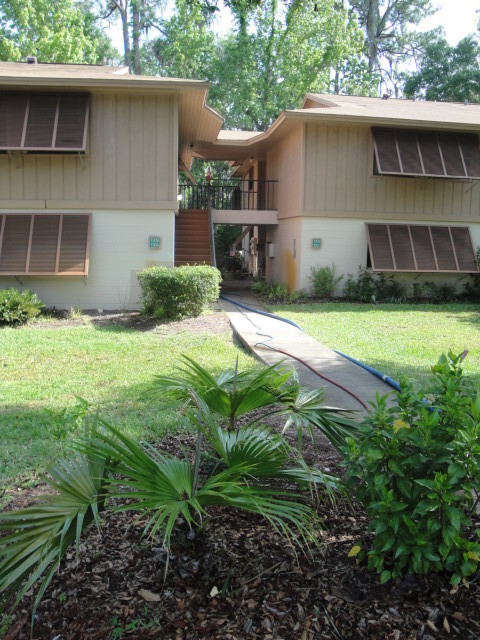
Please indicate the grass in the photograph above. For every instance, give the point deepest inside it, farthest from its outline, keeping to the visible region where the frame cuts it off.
(399, 340)
(43, 369)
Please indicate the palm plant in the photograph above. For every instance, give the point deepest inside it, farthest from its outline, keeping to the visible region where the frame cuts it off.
(253, 470)
(273, 389)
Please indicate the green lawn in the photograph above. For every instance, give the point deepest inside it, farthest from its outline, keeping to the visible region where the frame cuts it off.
(395, 339)
(42, 369)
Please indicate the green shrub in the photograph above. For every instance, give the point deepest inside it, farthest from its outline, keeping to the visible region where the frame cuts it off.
(387, 289)
(278, 293)
(361, 289)
(17, 307)
(417, 471)
(324, 280)
(171, 293)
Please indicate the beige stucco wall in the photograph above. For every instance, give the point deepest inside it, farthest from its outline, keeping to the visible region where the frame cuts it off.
(339, 182)
(131, 161)
(118, 250)
(344, 242)
(285, 267)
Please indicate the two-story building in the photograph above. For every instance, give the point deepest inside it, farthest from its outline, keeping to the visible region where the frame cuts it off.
(89, 159)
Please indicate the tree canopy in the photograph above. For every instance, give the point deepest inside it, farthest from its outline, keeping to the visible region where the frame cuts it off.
(60, 31)
(445, 73)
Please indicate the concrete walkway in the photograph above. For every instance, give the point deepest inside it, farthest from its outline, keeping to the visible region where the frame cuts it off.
(256, 332)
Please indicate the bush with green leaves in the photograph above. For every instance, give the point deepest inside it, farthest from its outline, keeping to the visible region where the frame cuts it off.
(171, 293)
(278, 293)
(324, 280)
(240, 464)
(368, 286)
(17, 307)
(416, 469)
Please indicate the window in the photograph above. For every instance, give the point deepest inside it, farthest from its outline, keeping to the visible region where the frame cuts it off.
(44, 244)
(427, 153)
(43, 121)
(417, 248)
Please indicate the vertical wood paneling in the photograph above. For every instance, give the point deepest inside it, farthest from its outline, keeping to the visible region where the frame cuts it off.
(96, 160)
(351, 173)
(310, 170)
(428, 196)
(136, 141)
(5, 176)
(70, 164)
(43, 180)
(149, 176)
(56, 178)
(341, 184)
(361, 182)
(123, 147)
(448, 198)
(110, 148)
(17, 178)
(333, 154)
(331, 173)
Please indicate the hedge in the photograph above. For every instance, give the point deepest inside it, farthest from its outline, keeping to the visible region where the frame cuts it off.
(179, 292)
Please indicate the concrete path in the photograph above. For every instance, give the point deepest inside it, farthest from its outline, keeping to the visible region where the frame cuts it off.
(258, 332)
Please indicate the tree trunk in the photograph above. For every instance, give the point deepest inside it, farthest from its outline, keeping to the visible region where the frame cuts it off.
(123, 10)
(373, 16)
(137, 69)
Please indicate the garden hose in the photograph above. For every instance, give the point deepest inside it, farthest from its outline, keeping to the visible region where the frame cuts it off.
(286, 353)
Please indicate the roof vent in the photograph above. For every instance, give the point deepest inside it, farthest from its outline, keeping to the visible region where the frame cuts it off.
(32, 60)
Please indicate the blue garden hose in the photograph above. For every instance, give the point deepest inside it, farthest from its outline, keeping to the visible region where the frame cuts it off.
(382, 376)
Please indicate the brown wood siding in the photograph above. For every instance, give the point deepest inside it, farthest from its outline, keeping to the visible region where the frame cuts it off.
(131, 161)
(284, 163)
(339, 182)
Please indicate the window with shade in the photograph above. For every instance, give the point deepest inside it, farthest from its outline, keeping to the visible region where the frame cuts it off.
(434, 154)
(44, 244)
(40, 122)
(421, 248)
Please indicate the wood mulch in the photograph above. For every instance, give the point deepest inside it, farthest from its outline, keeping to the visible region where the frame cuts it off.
(238, 579)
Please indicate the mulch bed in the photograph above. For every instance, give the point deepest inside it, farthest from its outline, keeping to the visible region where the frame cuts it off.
(238, 579)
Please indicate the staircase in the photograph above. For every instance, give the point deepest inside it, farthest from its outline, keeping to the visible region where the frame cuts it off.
(192, 237)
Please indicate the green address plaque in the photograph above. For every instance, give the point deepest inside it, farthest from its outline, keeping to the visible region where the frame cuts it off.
(154, 242)
(316, 243)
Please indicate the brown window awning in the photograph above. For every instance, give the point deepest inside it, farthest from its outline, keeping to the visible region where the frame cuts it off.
(43, 121)
(421, 248)
(44, 244)
(435, 154)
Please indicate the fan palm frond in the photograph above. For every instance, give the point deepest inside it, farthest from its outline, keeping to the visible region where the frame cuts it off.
(37, 537)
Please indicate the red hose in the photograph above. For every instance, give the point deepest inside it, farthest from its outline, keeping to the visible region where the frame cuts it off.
(320, 375)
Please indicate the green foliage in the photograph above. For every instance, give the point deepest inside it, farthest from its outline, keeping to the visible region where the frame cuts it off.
(67, 420)
(61, 31)
(447, 74)
(235, 393)
(278, 293)
(361, 289)
(472, 288)
(112, 471)
(170, 293)
(274, 54)
(390, 35)
(17, 307)
(324, 280)
(380, 287)
(417, 471)
(37, 537)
